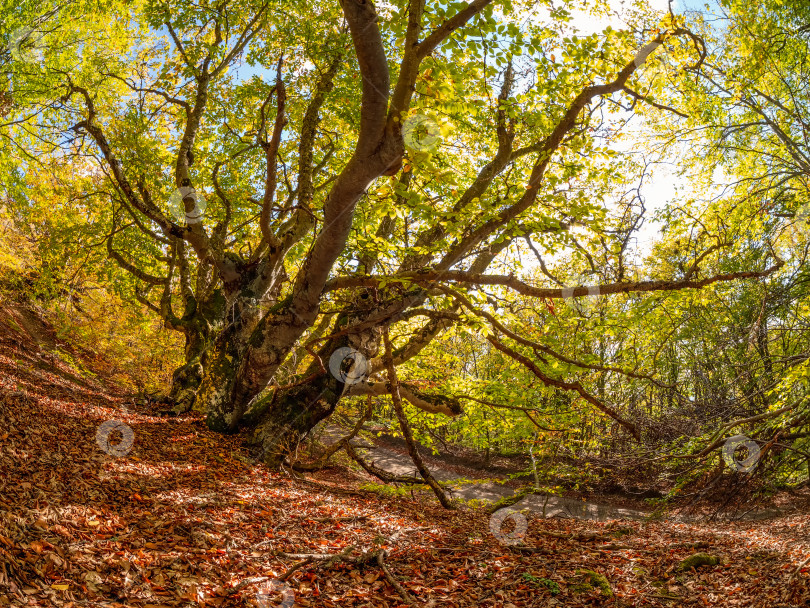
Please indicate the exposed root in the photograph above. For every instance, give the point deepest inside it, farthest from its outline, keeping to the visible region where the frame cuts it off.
(327, 560)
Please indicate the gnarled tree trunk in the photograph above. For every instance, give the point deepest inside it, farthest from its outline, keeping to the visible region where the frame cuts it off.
(186, 379)
(291, 412)
(200, 324)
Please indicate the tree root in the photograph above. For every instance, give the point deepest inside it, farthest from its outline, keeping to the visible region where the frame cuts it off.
(327, 487)
(327, 560)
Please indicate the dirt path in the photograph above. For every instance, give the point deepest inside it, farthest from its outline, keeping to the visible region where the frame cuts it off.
(491, 490)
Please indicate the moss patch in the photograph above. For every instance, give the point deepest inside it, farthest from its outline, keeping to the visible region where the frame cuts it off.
(593, 580)
(697, 560)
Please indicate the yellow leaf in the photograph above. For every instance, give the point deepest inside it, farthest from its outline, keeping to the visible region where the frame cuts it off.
(93, 522)
(60, 587)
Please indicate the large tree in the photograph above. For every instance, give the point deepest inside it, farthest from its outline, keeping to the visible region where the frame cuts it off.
(364, 172)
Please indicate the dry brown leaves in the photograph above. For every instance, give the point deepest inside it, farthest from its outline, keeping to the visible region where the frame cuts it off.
(185, 519)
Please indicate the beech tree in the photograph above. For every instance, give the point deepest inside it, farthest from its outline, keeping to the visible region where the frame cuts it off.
(299, 179)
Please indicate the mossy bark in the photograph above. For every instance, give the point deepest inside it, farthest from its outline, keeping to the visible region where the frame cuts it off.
(291, 415)
(288, 415)
(697, 560)
(282, 418)
(221, 362)
(186, 379)
(185, 382)
(508, 501)
(201, 323)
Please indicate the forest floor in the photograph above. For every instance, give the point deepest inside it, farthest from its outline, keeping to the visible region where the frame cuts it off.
(467, 478)
(467, 481)
(185, 518)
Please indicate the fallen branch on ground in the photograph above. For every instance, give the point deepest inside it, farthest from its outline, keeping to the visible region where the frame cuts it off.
(248, 581)
(327, 560)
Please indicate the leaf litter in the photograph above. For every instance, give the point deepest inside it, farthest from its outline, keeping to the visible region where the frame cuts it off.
(186, 518)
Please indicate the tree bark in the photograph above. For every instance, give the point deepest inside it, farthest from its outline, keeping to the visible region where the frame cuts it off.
(221, 365)
(200, 324)
(293, 411)
(291, 415)
(186, 379)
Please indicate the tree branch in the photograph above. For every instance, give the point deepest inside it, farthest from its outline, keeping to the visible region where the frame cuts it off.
(467, 278)
(406, 428)
(571, 386)
(433, 404)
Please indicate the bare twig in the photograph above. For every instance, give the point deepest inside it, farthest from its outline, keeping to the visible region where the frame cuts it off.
(406, 597)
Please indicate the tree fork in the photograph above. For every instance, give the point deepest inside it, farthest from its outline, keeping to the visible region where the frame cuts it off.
(291, 415)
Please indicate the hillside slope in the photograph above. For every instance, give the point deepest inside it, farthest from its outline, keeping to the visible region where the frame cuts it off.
(184, 518)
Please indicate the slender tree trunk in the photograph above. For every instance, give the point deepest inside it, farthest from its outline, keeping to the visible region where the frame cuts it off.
(406, 428)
